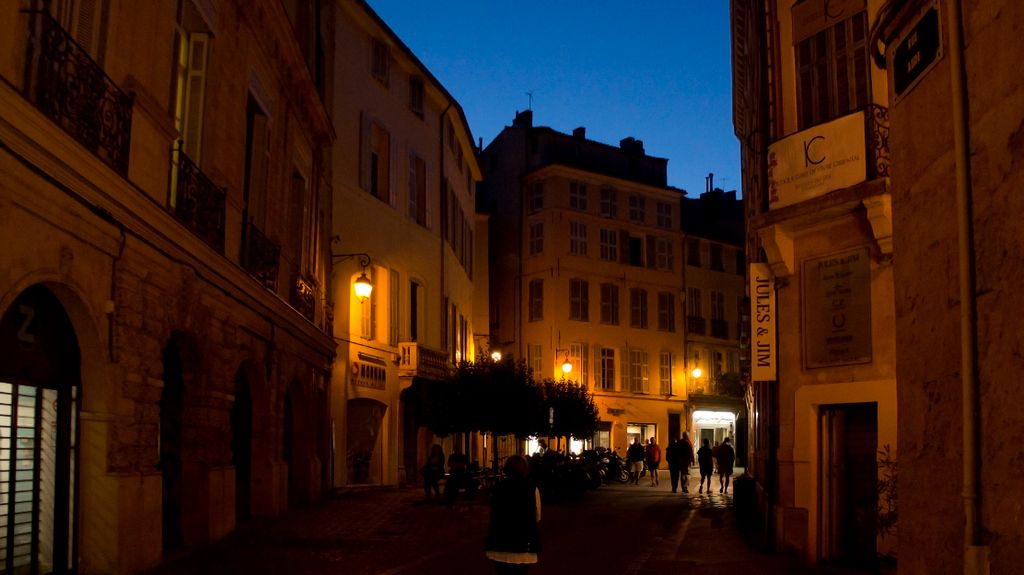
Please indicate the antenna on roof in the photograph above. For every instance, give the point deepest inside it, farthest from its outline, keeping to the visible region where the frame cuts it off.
(530, 94)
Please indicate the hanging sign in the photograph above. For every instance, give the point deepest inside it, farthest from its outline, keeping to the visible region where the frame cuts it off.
(763, 350)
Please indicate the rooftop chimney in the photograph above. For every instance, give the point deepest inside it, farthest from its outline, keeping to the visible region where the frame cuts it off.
(523, 119)
(632, 145)
(580, 133)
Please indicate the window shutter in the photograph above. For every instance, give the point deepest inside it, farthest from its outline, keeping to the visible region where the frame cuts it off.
(86, 26)
(652, 252)
(364, 151)
(198, 51)
(394, 171)
(624, 246)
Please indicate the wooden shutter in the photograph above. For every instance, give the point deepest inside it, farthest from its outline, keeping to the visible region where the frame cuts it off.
(195, 90)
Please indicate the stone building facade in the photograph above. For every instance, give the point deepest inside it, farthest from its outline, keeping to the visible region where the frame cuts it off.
(587, 266)
(811, 113)
(405, 172)
(957, 142)
(165, 342)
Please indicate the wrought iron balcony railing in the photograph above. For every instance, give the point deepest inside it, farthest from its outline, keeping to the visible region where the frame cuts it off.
(198, 202)
(720, 328)
(67, 85)
(261, 257)
(877, 126)
(303, 297)
(695, 325)
(417, 360)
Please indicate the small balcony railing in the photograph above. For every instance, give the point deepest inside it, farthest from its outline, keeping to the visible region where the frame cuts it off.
(198, 203)
(70, 88)
(696, 325)
(417, 360)
(720, 328)
(261, 257)
(877, 126)
(303, 297)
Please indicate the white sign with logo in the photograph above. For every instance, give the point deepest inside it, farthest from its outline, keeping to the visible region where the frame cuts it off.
(763, 351)
(818, 160)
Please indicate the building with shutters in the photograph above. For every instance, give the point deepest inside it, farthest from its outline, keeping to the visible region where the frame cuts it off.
(165, 341)
(405, 173)
(587, 266)
(811, 113)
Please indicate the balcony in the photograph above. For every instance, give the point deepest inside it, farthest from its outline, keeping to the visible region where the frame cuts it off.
(833, 155)
(260, 257)
(70, 88)
(696, 325)
(303, 297)
(198, 202)
(720, 328)
(417, 360)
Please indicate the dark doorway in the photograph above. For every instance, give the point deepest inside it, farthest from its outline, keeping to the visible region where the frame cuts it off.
(241, 447)
(849, 484)
(172, 404)
(39, 379)
(365, 417)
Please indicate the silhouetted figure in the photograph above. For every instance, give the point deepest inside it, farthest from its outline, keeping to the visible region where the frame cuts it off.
(686, 452)
(513, 536)
(706, 462)
(726, 458)
(433, 471)
(652, 455)
(635, 459)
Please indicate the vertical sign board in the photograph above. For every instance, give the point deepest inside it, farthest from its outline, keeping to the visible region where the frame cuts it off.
(917, 51)
(763, 351)
(837, 309)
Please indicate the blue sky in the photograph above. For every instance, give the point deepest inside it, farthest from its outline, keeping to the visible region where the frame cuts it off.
(657, 70)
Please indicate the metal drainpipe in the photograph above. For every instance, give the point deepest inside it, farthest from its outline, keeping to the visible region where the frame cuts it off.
(976, 561)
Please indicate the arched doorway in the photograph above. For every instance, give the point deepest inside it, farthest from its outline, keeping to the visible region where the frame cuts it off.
(172, 405)
(39, 380)
(241, 446)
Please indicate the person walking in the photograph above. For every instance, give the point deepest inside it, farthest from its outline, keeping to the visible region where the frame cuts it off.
(686, 453)
(652, 455)
(513, 534)
(706, 463)
(433, 471)
(635, 460)
(726, 458)
(673, 456)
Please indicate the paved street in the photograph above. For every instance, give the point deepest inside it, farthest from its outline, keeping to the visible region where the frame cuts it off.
(629, 529)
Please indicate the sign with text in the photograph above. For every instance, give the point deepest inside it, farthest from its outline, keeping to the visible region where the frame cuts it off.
(917, 51)
(810, 163)
(763, 352)
(837, 309)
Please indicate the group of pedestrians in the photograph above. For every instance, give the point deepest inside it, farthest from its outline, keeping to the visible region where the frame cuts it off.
(679, 456)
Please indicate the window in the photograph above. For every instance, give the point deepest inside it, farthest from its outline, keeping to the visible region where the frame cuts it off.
(579, 355)
(666, 311)
(637, 374)
(665, 372)
(638, 308)
(451, 136)
(741, 263)
(610, 304)
(717, 305)
(84, 21)
(414, 310)
(636, 250)
(610, 245)
(535, 360)
(579, 300)
(418, 190)
(380, 65)
(393, 307)
(578, 196)
(537, 197)
(577, 238)
(663, 254)
(664, 212)
(416, 95)
(637, 208)
(833, 71)
(303, 230)
(609, 207)
(375, 168)
(192, 42)
(693, 303)
(536, 238)
(693, 252)
(606, 377)
(255, 191)
(717, 262)
(536, 300)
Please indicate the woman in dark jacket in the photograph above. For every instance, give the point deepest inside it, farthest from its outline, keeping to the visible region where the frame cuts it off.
(513, 538)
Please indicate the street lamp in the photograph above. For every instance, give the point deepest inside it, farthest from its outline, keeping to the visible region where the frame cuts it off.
(696, 373)
(496, 356)
(362, 286)
(566, 364)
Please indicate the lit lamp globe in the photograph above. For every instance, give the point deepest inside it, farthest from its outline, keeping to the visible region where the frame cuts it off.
(496, 355)
(566, 366)
(363, 287)
(696, 373)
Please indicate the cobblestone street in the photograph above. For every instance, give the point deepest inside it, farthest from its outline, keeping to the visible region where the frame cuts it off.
(629, 529)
